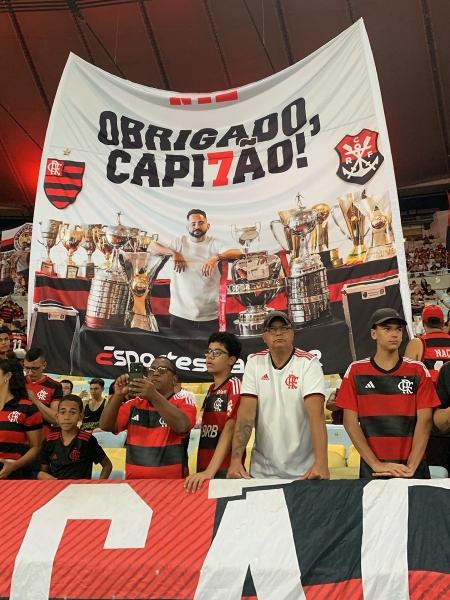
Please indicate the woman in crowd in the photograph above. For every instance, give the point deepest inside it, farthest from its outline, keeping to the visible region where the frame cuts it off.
(20, 425)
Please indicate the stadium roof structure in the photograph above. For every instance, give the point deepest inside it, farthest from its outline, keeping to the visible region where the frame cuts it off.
(207, 45)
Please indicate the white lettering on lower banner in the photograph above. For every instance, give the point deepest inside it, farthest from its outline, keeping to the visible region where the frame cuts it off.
(254, 532)
(384, 548)
(130, 520)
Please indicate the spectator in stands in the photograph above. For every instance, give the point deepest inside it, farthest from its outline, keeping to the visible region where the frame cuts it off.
(20, 424)
(7, 311)
(218, 412)
(429, 295)
(18, 335)
(70, 452)
(5, 343)
(94, 406)
(156, 420)
(388, 403)
(44, 391)
(282, 395)
(66, 386)
(433, 347)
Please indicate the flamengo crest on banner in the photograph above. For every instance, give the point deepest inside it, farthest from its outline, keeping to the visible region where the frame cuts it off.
(63, 181)
(359, 157)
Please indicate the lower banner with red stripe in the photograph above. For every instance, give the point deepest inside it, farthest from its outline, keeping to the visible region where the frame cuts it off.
(236, 539)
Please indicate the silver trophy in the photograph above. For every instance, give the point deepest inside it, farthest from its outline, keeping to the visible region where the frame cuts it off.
(141, 269)
(378, 214)
(49, 234)
(256, 281)
(108, 297)
(307, 286)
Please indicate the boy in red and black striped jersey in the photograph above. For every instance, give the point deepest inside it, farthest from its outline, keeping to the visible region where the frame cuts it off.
(156, 419)
(20, 424)
(45, 392)
(388, 403)
(70, 453)
(219, 411)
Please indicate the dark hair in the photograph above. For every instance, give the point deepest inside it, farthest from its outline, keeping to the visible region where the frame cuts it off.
(72, 398)
(67, 381)
(229, 340)
(34, 353)
(172, 364)
(4, 329)
(196, 211)
(17, 384)
(99, 382)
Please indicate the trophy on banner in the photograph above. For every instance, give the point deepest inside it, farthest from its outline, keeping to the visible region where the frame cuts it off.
(378, 213)
(88, 243)
(256, 281)
(108, 296)
(142, 240)
(141, 269)
(102, 244)
(319, 235)
(355, 223)
(49, 233)
(71, 237)
(307, 285)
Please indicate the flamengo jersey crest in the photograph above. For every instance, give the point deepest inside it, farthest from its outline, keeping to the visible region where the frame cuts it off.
(63, 181)
(359, 157)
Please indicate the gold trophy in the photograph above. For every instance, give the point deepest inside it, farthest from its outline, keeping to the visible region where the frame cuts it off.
(355, 222)
(378, 213)
(71, 237)
(142, 241)
(103, 245)
(49, 233)
(88, 243)
(319, 235)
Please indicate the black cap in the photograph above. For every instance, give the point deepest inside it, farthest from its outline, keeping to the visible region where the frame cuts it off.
(386, 314)
(276, 314)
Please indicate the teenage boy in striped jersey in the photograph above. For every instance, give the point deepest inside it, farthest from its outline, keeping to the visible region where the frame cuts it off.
(219, 411)
(388, 405)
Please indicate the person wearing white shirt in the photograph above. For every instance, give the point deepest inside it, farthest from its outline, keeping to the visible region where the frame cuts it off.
(195, 282)
(282, 396)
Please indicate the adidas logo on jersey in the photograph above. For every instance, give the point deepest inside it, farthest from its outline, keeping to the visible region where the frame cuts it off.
(265, 377)
(370, 385)
(135, 418)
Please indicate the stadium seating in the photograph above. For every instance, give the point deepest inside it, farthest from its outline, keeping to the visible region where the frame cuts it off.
(107, 439)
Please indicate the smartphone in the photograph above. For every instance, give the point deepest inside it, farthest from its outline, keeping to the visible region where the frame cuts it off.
(136, 371)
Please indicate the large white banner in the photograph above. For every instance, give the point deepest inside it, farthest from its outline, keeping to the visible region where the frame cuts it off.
(295, 207)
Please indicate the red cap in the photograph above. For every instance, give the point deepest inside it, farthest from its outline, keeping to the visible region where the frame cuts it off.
(432, 313)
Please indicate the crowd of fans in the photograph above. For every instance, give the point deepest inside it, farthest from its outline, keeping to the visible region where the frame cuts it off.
(47, 431)
(430, 256)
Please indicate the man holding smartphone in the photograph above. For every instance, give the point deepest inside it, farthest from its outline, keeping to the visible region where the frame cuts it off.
(156, 419)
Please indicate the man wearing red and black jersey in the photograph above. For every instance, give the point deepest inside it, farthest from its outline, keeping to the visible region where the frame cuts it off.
(219, 411)
(70, 452)
(156, 419)
(433, 347)
(44, 391)
(388, 403)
